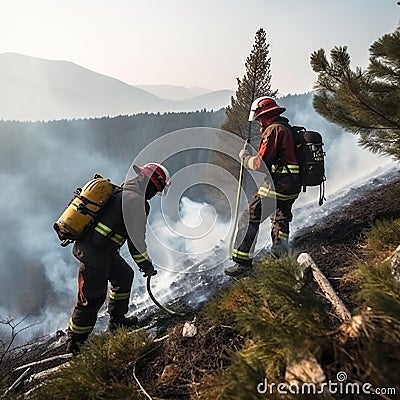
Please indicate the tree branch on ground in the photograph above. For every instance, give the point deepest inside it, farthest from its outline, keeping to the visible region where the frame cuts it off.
(13, 323)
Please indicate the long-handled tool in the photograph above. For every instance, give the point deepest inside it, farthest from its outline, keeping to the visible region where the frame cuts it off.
(239, 190)
(240, 180)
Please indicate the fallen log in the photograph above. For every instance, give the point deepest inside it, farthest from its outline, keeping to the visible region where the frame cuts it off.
(16, 383)
(46, 373)
(46, 360)
(305, 261)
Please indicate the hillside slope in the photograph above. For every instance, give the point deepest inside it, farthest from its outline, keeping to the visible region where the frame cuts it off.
(173, 92)
(176, 368)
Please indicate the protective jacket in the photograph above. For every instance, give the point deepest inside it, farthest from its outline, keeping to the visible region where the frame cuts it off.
(276, 149)
(123, 218)
(277, 152)
(115, 226)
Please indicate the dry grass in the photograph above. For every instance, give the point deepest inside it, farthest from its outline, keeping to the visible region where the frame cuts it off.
(101, 371)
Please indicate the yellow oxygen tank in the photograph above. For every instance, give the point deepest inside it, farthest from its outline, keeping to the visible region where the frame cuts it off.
(83, 208)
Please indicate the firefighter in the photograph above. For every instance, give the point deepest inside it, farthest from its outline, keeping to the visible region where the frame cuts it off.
(124, 218)
(276, 152)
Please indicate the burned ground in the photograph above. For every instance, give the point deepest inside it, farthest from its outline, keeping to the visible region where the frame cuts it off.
(179, 364)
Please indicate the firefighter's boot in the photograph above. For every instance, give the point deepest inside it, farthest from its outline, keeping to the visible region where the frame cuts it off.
(280, 249)
(238, 270)
(74, 344)
(124, 322)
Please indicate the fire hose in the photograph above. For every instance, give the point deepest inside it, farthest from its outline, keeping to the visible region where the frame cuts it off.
(158, 304)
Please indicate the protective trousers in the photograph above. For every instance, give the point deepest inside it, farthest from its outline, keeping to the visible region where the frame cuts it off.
(265, 203)
(92, 292)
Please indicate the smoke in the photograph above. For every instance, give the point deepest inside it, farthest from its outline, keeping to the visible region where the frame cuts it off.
(39, 172)
(40, 169)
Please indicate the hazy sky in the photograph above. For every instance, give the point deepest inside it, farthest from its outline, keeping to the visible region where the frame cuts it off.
(193, 43)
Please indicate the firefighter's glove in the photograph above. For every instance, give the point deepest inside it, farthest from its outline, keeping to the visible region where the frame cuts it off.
(148, 269)
(243, 154)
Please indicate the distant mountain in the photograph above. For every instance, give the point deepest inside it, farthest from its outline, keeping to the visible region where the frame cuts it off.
(37, 89)
(175, 93)
(211, 100)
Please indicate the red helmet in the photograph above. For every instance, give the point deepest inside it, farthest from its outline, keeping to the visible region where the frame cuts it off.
(157, 173)
(264, 105)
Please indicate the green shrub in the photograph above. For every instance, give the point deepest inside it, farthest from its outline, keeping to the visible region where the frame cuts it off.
(394, 193)
(373, 355)
(384, 235)
(223, 308)
(282, 321)
(103, 370)
(378, 289)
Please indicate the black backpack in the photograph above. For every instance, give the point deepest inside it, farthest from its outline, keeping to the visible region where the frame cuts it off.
(311, 157)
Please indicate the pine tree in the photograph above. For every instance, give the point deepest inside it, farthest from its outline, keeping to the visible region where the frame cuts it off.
(366, 103)
(255, 83)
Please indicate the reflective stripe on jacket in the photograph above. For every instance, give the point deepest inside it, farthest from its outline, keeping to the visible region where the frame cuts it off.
(108, 232)
(268, 192)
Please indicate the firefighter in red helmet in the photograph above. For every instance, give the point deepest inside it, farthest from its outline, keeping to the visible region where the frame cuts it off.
(277, 152)
(100, 261)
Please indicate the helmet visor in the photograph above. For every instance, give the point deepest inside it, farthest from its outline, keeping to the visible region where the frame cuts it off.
(164, 192)
(251, 115)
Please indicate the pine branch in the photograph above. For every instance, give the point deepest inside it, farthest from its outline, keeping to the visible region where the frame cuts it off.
(363, 102)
